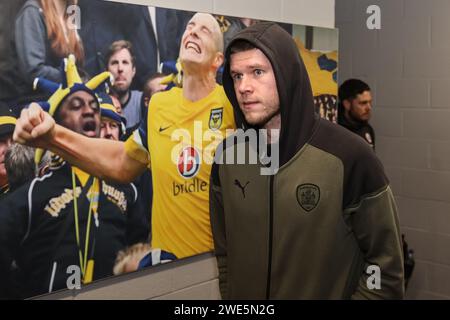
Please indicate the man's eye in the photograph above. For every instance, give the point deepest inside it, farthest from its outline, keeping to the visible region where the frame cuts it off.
(237, 76)
(94, 105)
(259, 72)
(76, 103)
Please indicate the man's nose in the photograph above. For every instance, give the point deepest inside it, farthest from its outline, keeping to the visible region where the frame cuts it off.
(108, 131)
(88, 109)
(194, 31)
(245, 85)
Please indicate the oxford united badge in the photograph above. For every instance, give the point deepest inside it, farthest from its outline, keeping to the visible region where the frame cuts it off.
(215, 118)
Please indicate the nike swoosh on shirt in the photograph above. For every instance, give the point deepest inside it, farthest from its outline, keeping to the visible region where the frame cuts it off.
(161, 129)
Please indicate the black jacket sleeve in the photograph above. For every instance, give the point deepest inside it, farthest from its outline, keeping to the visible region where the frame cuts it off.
(13, 227)
(138, 221)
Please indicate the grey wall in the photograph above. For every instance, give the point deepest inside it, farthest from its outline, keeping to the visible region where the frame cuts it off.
(407, 63)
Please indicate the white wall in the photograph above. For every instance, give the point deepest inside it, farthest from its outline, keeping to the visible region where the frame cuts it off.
(407, 64)
(324, 39)
(318, 13)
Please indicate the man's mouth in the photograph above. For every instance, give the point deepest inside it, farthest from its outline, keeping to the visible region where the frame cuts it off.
(90, 128)
(249, 104)
(194, 46)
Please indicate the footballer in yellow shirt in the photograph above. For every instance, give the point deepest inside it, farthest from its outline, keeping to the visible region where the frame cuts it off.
(177, 142)
(180, 143)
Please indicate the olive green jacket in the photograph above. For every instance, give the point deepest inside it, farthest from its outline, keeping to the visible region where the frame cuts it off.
(325, 225)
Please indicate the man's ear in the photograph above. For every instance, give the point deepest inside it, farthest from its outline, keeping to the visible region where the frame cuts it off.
(218, 60)
(347, 104)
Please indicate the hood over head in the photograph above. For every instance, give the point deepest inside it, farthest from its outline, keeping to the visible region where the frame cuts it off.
(294, 89)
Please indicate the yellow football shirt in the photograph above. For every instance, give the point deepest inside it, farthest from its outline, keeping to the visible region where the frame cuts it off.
(179, 147)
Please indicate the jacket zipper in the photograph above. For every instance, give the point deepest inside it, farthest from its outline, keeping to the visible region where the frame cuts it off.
(269, 268)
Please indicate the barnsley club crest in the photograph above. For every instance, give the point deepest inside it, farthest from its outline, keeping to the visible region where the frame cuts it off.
(308, 196)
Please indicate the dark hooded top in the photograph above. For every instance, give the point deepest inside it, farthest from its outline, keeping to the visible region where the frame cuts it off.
(317, 227)
(362, 129)
(294, 89)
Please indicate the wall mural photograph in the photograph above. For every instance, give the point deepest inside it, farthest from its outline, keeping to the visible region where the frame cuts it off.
(147, 82)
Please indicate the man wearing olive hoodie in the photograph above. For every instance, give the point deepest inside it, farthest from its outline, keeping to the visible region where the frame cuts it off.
(322, 226)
